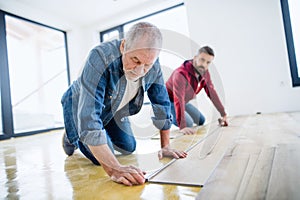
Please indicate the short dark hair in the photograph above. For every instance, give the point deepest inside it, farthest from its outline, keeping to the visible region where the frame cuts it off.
(206, 49)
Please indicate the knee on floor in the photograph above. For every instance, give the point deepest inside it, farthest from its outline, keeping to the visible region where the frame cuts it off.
(201, 121)
(126, 149)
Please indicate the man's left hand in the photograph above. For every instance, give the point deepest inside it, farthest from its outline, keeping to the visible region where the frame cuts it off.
(168, 152)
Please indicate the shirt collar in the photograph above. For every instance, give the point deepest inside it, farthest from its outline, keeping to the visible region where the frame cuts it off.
(188, 64)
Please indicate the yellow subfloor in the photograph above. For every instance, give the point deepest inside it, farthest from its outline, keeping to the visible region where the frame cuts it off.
(35, 167)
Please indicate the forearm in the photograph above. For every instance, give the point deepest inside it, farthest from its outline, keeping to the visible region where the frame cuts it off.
(166, 151)
(164, 138)
(179, 105)
(105, 157)
(216, 101)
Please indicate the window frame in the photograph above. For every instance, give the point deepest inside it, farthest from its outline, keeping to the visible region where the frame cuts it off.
(117, 28)
(290, 43)
(6, 104)
(120, 27)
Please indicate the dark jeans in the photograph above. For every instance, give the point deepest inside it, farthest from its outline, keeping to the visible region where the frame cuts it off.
(118, 132)
(192, 115)
(119, 137)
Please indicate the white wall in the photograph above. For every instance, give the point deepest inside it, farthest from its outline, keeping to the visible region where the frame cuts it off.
(80, 41)
(251, 56)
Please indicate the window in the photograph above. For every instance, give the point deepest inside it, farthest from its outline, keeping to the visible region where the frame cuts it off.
(114, 33)
(36, 76)
(174, 19)
(291, 19)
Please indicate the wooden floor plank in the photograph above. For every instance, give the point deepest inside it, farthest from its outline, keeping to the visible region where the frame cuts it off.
(231, 169)
(268, 175)
(285, 176)
(202, 159)
(183, 167)
(258, 180)
(232, 175)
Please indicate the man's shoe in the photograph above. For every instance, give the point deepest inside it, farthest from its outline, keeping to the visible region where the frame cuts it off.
(68, 147)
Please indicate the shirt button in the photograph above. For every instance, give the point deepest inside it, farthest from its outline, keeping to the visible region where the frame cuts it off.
(110, 97)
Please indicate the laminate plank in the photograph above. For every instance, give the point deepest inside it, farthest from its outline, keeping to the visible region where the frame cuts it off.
(202, 158)
(285, 176)
(231, 169)
(272, 143)
(233, 177)
(257, 180)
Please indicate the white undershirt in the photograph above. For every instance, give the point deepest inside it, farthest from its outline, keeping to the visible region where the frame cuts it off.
(131, 90)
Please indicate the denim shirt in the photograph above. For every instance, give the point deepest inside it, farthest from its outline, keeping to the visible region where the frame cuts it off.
(97, 93)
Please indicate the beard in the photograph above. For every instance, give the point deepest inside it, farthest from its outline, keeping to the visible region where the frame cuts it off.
(200, 70)
(132, 76)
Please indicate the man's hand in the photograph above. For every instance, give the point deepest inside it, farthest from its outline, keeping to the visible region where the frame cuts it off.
(168, 152)
(188, 131)
(223, 121)
(128, 175)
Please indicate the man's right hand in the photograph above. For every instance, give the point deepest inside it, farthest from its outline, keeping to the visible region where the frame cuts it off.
(128, 175)
(223, 121)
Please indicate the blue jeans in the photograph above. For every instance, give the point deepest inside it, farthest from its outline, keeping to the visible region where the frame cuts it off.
(119, 137)
(118, 132)
(192, 115)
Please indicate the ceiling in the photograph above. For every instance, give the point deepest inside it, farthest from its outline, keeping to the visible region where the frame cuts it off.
(90, 12)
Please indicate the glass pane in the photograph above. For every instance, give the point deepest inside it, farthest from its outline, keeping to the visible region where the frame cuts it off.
(38, 75)
(111, 35)
(174, 19)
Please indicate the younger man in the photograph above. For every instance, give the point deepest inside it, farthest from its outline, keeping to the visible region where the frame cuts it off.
(185, 83)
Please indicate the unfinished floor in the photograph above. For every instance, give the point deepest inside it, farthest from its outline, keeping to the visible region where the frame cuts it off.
(258, 158)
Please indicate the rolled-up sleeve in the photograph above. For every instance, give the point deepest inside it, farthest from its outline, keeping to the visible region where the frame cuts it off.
(91, 98)
(159, 98)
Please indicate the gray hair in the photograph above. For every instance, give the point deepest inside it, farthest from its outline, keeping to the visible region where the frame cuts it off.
(143, 35)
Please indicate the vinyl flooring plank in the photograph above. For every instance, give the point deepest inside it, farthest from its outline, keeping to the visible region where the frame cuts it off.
(231, 169)
(201, 161)
(233, 175)
(271, 142)
(257, 180)
(285, 176)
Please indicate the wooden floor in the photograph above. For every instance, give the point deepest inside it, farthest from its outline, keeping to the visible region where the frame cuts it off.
(260, 160)
(263, 162)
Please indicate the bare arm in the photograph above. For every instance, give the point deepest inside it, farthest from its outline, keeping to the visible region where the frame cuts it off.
(164, 138)
(127, 175)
